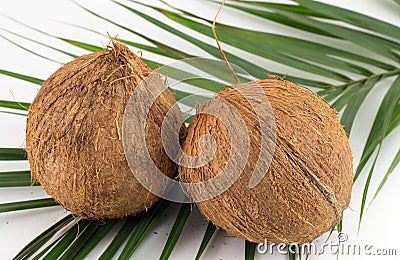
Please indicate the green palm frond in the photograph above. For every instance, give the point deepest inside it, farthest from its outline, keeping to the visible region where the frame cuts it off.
(249, 250)
(211, 229)
(355, 54)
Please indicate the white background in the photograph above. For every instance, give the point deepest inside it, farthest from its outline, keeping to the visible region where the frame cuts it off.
(380, 226)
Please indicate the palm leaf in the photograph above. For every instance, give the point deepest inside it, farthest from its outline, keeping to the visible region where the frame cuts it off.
(345, 32)
(253, 69)
(251, 40)
(22, 77)
(353, 18)
(206, 239)
(97, 236)
(25, 49)
(176, 230)
(392, 166)
(249, 250)
(8, 154)
(379, 130)
(368, 41)
(43, 238)
(292, 256)
(142, 228)
(274, 42)
(81, 241)
(119, 239)
(29, 204)
(16, 179)
(366, 187)
(381, 124)
(58, 250)
(14, 105)
(39, 43)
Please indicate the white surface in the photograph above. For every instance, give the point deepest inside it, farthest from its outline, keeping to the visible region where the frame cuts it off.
(380, 226)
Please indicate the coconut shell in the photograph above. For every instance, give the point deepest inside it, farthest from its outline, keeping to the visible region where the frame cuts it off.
(73, 135)
(308, 183)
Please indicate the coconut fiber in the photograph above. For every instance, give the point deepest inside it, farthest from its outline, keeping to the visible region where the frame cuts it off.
(308, 183)
(73, 135)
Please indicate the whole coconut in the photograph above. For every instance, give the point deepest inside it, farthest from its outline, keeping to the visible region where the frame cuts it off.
(73, 135)
(308, 183)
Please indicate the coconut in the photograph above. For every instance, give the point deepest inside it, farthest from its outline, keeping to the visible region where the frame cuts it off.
(73, 135)
(302, 192)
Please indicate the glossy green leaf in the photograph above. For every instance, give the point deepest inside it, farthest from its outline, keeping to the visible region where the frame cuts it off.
(378, 133)
(340, 226)
(259, 44)
(330, 94)
(14, 105)
(254, 8)
(346, 95)
(351, 17)
(82, 45)
(276, 17)
(22, 77)
(392, 166)
(192, 79)
(171, 53)
(308, 50)
(28, 204)
(371, 42)
(249, 250)
(381, 124)
(206, 239)
(43, 238)
(16, 179)
(143, 227)
(292, 256)
(119, 239)
(366, 187)
(104, 228)
(295, 42)
(253, 69)
(395, 121)
(28, 50)
(267, 44)
(44, 251)
(167, 51)
(355, 102)
(40, 43)
(176, 231)
(12, 154)
(81, 241)
(66, 240)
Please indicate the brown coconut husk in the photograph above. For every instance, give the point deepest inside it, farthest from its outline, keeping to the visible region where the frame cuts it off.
(73, 135)
(308, 184)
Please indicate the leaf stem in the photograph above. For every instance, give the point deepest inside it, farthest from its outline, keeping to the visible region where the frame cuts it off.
(219, 46)
(383, 75)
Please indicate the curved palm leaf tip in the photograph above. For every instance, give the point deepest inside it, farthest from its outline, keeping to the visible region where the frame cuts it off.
(352, 82)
